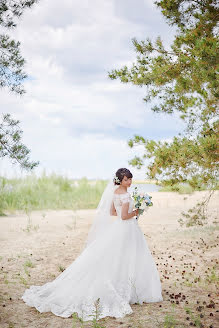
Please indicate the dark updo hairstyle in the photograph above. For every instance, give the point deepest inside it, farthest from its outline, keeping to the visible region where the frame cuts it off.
(120, 173)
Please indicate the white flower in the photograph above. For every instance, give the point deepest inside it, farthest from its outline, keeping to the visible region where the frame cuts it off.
(144, 205)
(116, 179)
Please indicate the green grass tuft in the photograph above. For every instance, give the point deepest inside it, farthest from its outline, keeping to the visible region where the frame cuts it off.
(49, 192)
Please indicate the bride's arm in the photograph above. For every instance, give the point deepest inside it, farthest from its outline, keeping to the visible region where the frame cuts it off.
(125, 215)
(113, 210)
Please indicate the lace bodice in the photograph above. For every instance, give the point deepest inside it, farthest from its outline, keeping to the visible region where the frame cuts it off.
(120, 199)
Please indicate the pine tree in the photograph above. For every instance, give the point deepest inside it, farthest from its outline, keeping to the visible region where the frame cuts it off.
(11, 77)
(181, 79)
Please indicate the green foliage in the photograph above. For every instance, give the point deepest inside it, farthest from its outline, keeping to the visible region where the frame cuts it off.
(9, 10)
(10, 143)
(170, 321)
(197, 215)
(29, 264)
(11, 61)
(181, 79)
(61, 268)
(194, 161)
(12, 76)
(49, 192)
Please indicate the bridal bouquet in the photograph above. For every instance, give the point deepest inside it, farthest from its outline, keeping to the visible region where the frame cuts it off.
(141, 201)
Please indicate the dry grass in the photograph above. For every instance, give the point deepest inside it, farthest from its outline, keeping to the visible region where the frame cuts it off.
(187, 260)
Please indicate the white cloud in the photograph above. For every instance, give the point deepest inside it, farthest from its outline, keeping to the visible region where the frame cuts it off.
(75, 119)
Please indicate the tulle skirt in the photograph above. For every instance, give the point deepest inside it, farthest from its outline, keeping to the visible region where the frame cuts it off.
(114, 271)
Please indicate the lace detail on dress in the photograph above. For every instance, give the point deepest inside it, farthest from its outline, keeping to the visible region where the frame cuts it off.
(114, 303)
(126, 198)
(120, 199)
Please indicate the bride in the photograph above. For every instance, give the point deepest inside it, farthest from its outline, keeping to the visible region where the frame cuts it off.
(115, 268)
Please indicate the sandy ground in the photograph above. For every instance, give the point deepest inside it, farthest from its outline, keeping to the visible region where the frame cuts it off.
(34, 252)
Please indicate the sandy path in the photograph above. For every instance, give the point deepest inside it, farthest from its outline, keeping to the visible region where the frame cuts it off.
(55, 238)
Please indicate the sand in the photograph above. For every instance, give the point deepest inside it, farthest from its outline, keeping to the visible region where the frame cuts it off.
(35, 250)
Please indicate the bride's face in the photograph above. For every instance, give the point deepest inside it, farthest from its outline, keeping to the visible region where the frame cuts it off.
(126, 182)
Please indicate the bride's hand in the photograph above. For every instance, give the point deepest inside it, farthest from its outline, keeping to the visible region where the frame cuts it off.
(136, 212)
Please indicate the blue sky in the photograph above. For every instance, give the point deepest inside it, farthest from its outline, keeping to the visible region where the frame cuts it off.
(75, 119)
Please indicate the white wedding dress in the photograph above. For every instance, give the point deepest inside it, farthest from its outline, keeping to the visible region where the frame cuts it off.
(117, 268)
